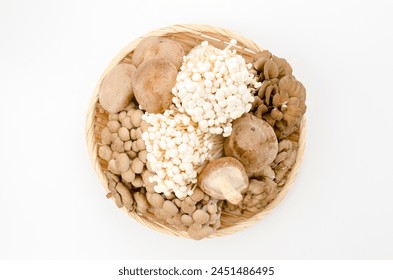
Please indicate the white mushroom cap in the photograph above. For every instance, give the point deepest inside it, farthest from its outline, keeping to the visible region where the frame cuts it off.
(224, 178)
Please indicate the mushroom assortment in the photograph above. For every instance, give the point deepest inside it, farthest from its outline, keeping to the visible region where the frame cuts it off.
(193, 136)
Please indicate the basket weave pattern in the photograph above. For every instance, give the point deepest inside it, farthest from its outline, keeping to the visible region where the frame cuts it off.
(188, 36)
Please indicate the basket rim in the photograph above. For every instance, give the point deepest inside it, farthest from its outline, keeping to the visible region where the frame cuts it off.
(92, 145)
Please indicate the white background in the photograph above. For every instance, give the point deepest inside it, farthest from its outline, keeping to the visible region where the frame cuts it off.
(52, 54)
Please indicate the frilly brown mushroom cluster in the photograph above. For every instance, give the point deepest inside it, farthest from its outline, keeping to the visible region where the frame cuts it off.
(280, 101)
(284, 161)
(259, 194)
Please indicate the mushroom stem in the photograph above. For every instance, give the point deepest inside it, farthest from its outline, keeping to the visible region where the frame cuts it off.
(230, 194)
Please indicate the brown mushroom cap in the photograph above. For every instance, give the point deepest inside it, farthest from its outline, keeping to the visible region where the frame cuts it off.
(116, 89)
(224, 178)
(252, 142)
(158, 47)
(153, 83)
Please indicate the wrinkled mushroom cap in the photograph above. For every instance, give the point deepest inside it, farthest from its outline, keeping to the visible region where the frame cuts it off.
(153, 83)
(252, 142)
(116, 89)
(221, 172)
(158, 47)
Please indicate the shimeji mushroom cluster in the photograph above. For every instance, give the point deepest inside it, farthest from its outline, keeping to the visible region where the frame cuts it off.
(204, 139)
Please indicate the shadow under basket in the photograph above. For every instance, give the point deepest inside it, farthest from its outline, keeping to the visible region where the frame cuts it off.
(189, 36)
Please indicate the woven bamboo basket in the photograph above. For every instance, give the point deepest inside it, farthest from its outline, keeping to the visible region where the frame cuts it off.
(189, 36)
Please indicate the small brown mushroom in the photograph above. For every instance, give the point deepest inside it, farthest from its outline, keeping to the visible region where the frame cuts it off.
(116, 89)
(137, 182)
(141, 203)
(224, 178)
(186, 219)
(200, 217)
(155, 199)
(105, 152)
(144, 126)
(128, 176)
(124, 134)
(113, 167)
(136, 118)
(113, 126)
(153, 83)
(126, 122)
(158, 47)
(142, 155)
(197, 195)
(212, 208)
(117, 145)
(122, 162)
(170, 208)
(122, 115)
(186, 208)
(256, 187)
(113, 117)
(131, 154)
(125, 194)
(146, 175)
(189, 201)
(127, 145)
(197, 234)
(252, 142)
(106, 136)
(140, 144)
(137, 166)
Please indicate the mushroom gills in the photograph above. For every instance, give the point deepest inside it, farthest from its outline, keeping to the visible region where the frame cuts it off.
(227, 181)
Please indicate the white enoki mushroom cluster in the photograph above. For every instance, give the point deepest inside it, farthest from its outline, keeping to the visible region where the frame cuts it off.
(175, 149)
(212, 87)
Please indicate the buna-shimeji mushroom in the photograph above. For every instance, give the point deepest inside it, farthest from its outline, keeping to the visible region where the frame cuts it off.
(224, 178)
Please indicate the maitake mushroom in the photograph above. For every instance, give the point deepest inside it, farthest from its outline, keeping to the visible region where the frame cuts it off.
(281, 99)
(284, 161)
(252, 142)
(269, 66)
(259, 194)
(224, 178)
